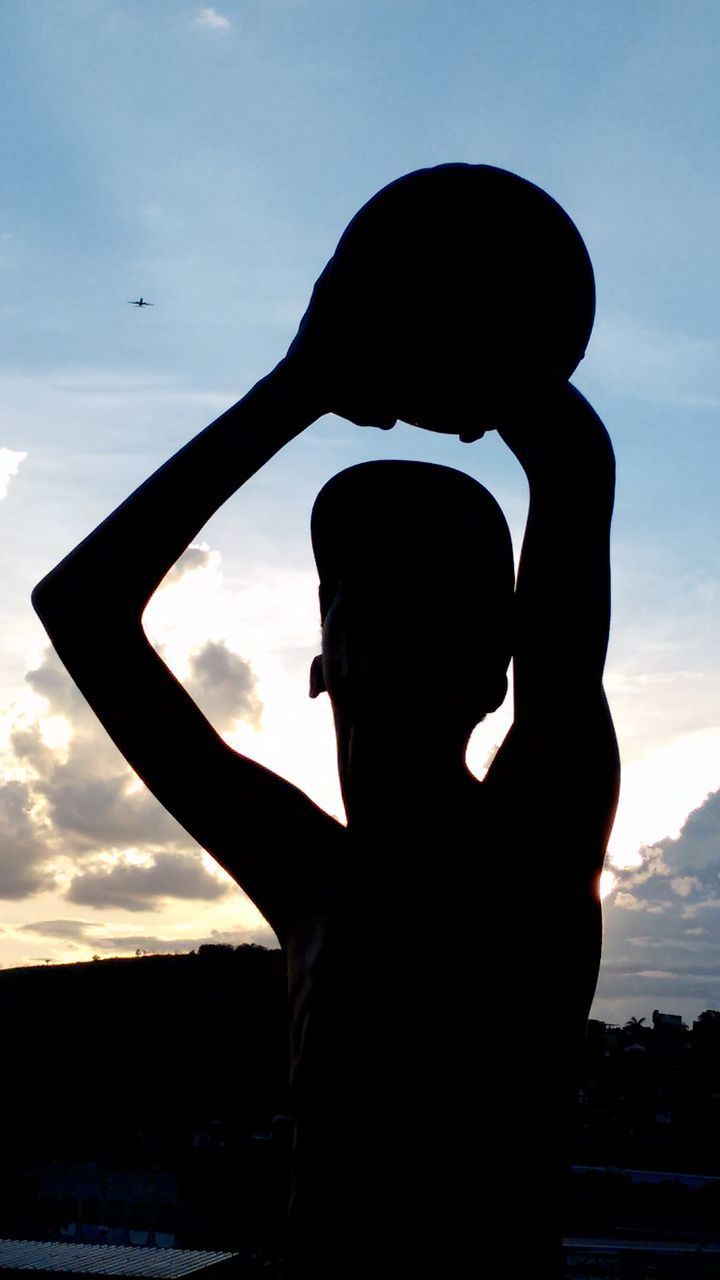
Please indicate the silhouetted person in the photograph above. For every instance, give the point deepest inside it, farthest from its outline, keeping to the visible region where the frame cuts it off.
(443, 946)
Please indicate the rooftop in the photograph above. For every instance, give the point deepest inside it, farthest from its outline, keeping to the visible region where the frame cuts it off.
(45, 1257)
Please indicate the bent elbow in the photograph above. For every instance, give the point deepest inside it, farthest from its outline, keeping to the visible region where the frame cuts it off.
(61, 605)
(44, 600)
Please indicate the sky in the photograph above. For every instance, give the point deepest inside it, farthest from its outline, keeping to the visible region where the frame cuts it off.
(208, 159)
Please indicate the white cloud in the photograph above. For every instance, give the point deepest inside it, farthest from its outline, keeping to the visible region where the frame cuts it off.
(188, 608)
(652, 864)
(211, 18)
(197, 556)
(10, 460)
(628, 902)
(683, 886)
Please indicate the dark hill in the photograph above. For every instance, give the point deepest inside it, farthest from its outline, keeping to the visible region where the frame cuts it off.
(96, 1051)
(174, 1063)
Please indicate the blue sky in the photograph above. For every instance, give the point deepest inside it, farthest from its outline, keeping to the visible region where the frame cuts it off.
(209, 158)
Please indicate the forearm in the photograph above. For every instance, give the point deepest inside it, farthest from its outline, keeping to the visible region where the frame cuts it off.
(562, 596)
(563, 585)
(119, 566)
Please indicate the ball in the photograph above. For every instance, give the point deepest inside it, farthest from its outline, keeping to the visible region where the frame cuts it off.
(451, 280)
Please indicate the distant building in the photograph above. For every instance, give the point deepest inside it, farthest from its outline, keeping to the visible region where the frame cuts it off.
(100, 1205)
(666, 1021)
(613, 1038)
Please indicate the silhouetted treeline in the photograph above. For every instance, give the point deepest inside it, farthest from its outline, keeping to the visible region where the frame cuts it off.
(650, 1095)
(647, 1148)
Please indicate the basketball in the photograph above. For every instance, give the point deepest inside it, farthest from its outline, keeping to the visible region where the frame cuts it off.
(449, 282)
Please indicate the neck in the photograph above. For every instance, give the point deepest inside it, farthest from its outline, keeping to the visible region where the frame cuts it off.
(397, 774)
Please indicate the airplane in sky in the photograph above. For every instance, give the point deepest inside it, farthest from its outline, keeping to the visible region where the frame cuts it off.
(139, 302)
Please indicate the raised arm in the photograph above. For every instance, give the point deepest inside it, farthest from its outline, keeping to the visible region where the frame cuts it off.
(92, 603)
(562, 729)
(562, 599)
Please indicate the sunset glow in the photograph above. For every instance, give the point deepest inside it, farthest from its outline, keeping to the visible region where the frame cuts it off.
(222, 205)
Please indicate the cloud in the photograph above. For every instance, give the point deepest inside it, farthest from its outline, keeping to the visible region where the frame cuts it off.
(10, 460)
(628, 902)
(211, 18)
(685, 867)
(92, 797)
(683, 886)
(653, 864)
(92, 813)
(654, 947)
(135, 887)
(223, 685)
(80, 808)
(96, 937)
(51, 681)
(23, 852)
(698, 845)
(59, 928)
(197, 556)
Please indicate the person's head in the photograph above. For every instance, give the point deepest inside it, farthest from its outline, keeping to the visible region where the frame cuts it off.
(448, 287)
(416, 588)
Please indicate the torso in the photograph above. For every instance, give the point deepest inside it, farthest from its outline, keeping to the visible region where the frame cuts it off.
(432, 1017)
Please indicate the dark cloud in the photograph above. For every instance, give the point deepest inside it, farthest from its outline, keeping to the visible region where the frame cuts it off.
(223, 685)
(58, 928)
(29, 748)
(91, 802)
(91, 747)
(85, 800)
(142, 888)
(94, 812)
(698, 844)
(51, 681)
(662, 922)
(23, 851)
